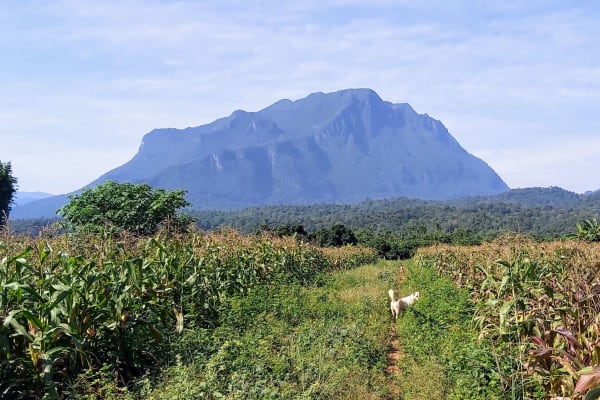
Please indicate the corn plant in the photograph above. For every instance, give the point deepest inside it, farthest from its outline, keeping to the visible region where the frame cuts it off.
(588, 229)
(80, 304)
(541, 299)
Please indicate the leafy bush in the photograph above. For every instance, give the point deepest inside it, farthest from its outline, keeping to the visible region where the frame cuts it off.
(129, 207)
(588, 229)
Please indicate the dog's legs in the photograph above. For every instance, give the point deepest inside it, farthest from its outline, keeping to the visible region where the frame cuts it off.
(394, 311)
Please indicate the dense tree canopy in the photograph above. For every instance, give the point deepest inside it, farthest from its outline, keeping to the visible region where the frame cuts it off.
(336, 235)
(8, 187)
(123, 206)
(396, 227)
(410, 217)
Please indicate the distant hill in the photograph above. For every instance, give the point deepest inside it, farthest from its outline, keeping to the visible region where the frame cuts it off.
(528, 197)
(44, 208)
(541, 212)
(22, 198)
(341, 147)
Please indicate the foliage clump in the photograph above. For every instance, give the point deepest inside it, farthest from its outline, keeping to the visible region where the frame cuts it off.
(588, 230)
(8, 187)
(115, 206)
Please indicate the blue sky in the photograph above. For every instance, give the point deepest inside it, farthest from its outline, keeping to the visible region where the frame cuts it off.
(516, 83)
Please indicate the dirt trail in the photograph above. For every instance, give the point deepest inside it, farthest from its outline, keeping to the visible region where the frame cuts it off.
(393, 357)
(393, 353)
(392, 369)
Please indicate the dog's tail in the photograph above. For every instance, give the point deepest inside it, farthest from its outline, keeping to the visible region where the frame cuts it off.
(391, 293)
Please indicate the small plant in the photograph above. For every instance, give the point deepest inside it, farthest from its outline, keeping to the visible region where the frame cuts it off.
(588, 229)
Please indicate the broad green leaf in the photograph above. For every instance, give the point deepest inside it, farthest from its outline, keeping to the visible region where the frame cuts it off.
(593, 394)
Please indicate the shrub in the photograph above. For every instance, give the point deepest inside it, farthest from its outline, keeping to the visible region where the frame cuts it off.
(129, 207)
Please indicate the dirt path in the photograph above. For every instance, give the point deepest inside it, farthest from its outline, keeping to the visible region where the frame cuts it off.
(392, 369)
(393, 357)
(393, 353)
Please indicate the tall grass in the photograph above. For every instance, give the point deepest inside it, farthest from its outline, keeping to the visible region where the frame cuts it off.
(287, 342)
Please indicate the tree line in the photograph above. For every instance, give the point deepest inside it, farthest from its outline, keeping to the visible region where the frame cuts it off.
(405, 216)
(394, 227)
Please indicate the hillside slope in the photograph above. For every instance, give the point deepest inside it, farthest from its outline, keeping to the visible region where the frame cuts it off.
(338, 147)
(341, 147)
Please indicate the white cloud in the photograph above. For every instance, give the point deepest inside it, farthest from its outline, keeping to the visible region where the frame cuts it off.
(500, 75)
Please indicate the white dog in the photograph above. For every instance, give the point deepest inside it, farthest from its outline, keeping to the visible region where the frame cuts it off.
(401, 304)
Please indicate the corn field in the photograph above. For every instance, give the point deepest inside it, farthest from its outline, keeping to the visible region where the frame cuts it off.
(538, 304)
(71, 304)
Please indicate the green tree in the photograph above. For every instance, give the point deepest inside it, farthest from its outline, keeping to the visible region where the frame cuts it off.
(8, 187)
(136, 208)
(296, 230)
(336, 235)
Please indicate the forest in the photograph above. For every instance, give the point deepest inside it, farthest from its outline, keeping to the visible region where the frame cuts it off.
(395, 228)
(543, 213)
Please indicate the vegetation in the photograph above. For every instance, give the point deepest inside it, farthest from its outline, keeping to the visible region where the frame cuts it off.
(80, 311)
(125, 308)
(136, 208)
(588, 230)
(443, 358)
(542, 213)
(536, 304)
(8, 187)
(324, 342)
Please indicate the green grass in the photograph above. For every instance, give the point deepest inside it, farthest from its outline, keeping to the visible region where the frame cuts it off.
(443, 358)
(290, 341)
(327, 340)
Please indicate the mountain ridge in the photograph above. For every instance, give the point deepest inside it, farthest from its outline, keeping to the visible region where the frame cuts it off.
(21, 198)
(339, 147)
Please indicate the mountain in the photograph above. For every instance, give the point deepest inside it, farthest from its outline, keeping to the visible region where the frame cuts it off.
(22, 198)
(341, 147)
(44, 208)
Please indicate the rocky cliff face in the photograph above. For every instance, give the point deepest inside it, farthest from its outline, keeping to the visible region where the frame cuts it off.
(337, 147)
